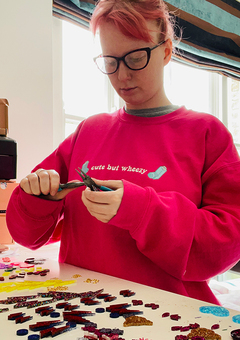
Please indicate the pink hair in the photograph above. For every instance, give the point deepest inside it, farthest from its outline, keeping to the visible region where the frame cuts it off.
(130, 17)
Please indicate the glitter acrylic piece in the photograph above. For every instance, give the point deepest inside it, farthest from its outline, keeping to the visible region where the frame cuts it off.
(235, 334)
(215, 310)
(236, 318)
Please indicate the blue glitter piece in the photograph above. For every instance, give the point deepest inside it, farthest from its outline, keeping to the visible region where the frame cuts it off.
(236, 318)
(114, 315)
(22, 332)
(33, 337)
(99, 310)
(215, 310)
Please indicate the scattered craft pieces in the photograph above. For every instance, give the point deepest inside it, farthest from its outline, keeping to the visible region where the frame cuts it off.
(15, 316)
(113, 308)
(215, 310)
(100, 310)
(29, 285)
(215, 326)
(94, 281)
(235, 334)
(165, 315)
(78, 312)
(137, 302)
(22, 332)
(184, 337)
(109, 298)
(75, 276)
(175, 317)
(126, 293)
(236, 318)
(38, 326)
(137, 321)
(91, 294)
(23, 319)
(185, 328)
(152, 305)
(2, 310)
(205, 333)
(91, 332)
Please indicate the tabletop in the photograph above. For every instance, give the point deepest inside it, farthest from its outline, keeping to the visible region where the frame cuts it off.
(170, 314)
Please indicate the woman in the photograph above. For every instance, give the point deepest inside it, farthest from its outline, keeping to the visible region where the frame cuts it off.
(172, 220)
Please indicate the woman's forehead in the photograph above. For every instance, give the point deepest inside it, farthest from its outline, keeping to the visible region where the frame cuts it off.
(114, 41)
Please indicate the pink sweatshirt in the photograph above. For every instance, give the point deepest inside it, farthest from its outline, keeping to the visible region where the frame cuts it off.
(179, 221)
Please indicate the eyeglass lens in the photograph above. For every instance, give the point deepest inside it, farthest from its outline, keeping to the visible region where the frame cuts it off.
(135, 60)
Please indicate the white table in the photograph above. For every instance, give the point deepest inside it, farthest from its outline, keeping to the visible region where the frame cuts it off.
(187, 308)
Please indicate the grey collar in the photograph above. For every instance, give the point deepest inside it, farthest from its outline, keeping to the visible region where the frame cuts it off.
(153, 112)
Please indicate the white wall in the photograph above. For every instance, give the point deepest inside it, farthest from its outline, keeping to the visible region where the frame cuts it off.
(26, 77)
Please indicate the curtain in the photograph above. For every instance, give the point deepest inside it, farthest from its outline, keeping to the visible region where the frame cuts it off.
(75, 11)
(210, 30)
(210, 34)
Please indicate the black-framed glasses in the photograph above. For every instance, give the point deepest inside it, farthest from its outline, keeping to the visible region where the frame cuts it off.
(135, 60)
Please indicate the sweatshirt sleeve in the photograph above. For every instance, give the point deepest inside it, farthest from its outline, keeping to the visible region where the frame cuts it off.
(191, 243)
(31, 221)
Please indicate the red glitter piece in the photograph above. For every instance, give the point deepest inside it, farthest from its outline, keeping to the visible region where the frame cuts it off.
(70, 307)
(148, 305)
(194, 325)
(137, 302)
(60, 330)
(181, 337)
(23, 319)
(154, 306)
(46, 312)
(185, 328)
(116, 308)
(89, 301)
(39, 309)
(44, 324)
(176, 328)
(175, 317)
(126, 293)
(61, 304)
(129, 311)
(78, 312)
(46, 333)
(215, 326)
(75, 318)
(109, 298)
(15, 315)
(43, 273)
(165, 315)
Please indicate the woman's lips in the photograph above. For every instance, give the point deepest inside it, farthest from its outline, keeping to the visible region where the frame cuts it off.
(127, 90)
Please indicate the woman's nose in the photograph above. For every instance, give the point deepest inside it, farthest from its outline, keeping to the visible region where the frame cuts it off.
(124, 73)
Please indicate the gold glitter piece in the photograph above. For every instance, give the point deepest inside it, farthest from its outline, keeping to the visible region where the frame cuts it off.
(53, 289)
(75, 276)
(205, 333)
(137, 321)
(94, 281)
(53, 283)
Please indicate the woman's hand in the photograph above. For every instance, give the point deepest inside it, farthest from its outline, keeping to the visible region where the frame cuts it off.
(104, 204)
(44, 182)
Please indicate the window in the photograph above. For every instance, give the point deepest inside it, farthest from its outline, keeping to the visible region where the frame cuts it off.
(86, 91)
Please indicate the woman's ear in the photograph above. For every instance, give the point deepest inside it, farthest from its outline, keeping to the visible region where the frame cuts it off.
(168, 51)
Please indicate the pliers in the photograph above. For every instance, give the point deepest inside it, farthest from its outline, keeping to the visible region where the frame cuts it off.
(87, 181)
